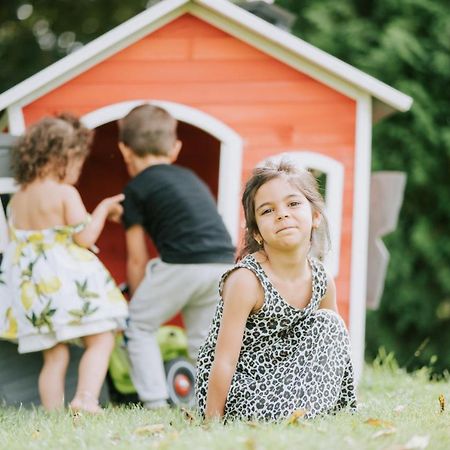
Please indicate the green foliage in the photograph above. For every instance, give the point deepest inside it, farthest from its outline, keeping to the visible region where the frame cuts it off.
(53, 29)
(405, 43)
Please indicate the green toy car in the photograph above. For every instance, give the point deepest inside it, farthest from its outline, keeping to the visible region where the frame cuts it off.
(180, 372)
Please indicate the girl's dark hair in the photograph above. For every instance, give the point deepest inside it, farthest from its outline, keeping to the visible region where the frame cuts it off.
(46, 146)
(305, 182)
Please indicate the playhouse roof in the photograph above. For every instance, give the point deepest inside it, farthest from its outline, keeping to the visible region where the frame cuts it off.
(229, 18)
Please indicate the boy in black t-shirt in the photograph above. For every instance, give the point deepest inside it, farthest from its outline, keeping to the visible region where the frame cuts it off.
(176, 209)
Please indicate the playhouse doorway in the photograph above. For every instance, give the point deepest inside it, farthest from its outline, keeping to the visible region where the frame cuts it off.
(105, 174)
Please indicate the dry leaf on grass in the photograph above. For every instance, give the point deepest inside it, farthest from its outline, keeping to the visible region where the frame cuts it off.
(76, 418)
(148, 430)
(442, 403)
(417, 442)
(297, 415)
(251, 424)
(379, 423)
(350, 442)
(384, 432)
(188, 415)
(399, 408)
(115, 439)
(249, 443)
(36, 434)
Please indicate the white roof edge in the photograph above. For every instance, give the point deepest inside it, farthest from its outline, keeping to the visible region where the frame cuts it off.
(383, 92)
(375, 87)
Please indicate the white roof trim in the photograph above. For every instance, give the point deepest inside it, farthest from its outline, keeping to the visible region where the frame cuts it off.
(167, 10)
(329, 63)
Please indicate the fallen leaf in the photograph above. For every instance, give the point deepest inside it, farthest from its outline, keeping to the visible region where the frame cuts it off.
(249, 443)
(384, 432)
(36, 434)
(349, 441)
(379, 423)
(296, 416)
(399, 408)
(115, 438)
(418, 442)
(148, 430)
(187, 415)
(252, 424)
(415, 443)
(442, 403)
(76, 418)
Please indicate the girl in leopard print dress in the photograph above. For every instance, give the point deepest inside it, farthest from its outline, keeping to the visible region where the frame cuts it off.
(277, 343)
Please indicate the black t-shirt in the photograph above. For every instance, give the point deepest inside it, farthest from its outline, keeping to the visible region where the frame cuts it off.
(178, 211)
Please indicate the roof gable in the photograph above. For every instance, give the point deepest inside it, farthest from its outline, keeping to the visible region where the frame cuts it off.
(226, 16)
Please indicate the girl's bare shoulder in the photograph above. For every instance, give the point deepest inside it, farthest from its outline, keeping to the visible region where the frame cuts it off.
(68, 189)
(243, 284)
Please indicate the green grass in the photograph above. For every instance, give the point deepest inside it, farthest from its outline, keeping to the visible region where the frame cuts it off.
(404, 410)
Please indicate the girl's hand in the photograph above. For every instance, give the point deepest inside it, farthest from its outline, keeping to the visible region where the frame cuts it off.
(114, 209)
(115, 214)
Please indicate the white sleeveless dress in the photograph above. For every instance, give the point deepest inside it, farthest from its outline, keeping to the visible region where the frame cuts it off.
(53, 290)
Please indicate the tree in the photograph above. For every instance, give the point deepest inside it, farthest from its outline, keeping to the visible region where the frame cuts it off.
(405, 43)
(36, 33)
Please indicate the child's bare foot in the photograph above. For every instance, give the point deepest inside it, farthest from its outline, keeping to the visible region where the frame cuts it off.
(85, 402)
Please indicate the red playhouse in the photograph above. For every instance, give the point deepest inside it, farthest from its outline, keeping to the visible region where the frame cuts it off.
(243, 91)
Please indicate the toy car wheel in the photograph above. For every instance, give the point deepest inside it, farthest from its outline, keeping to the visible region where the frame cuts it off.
(180, 377)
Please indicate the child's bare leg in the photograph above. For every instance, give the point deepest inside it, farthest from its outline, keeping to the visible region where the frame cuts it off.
(92, 371)
(52, 376)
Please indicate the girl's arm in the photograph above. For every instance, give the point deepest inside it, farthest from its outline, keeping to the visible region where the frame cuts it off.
(242, 293)
(137, 256)
(329, 299)
(75, 212)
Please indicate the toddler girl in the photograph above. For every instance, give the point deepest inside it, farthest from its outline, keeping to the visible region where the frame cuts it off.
(53, 289)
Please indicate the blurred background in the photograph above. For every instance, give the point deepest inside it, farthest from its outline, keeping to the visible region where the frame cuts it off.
(406, 44)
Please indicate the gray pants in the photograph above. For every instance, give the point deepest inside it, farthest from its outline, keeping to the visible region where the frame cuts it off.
(167, 289)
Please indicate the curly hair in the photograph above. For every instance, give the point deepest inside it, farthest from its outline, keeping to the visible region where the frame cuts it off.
(305, 182)
(46, 146)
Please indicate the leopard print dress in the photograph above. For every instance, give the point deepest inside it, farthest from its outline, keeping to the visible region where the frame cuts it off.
(290, 358)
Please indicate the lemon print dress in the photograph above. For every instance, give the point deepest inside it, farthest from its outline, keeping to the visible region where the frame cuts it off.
(53, 290)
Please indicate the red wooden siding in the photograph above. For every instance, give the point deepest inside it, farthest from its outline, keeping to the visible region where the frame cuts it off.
(272, 106)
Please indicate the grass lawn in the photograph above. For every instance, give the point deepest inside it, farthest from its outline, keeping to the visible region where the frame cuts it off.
(396, 411)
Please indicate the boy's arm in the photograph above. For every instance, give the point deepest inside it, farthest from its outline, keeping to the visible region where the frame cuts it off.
(137, 256)
(242, 292)
(329, 299)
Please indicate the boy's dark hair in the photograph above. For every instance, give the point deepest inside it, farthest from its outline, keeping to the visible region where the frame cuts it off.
(148, 129)
(46, 146)
(305, 182)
